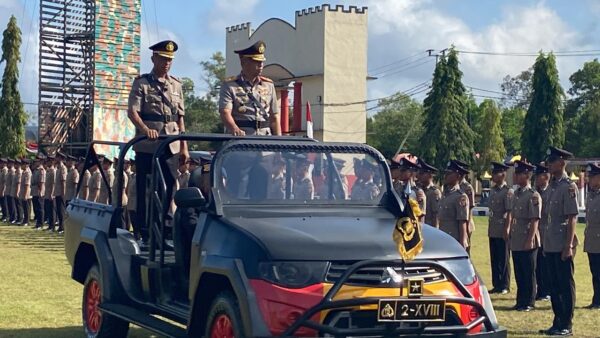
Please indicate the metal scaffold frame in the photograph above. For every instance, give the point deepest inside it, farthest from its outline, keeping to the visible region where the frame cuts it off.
(66, 73)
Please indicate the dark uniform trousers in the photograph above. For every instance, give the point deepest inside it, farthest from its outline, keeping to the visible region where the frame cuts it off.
(26, 211)
(59, 205)
(525, 262)
(10, 204)
(136, 223)
(500, 263)
(143, 161)
(4, 207)
(562, 286)
(49, 212)
(541, 275)
(18, 210)
(594, 259)
(38, 211)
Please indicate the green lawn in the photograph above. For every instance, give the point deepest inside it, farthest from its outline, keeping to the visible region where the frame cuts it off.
(39, 299)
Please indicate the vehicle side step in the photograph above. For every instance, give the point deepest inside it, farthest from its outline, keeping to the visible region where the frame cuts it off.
(144, 320)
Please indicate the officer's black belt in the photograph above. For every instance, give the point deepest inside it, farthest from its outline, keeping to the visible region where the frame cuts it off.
(252, 124)
(160, 118)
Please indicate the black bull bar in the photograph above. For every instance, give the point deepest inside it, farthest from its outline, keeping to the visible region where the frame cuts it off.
(327, 303)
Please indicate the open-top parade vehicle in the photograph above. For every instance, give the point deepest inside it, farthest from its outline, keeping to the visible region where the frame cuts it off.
(250, 258)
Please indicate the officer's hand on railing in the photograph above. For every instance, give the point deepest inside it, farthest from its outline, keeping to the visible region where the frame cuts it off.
(239, 132)
(152, 133)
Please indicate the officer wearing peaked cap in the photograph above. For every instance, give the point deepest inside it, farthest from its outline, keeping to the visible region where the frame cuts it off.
(560, 242)
(591, 244)
(365, 188)
(453, 214)
(156, 107)
(404, 182)
(433, 194)
(467, 188)
(524, 235)
(248, 101)
(500, 206)
(542, 180)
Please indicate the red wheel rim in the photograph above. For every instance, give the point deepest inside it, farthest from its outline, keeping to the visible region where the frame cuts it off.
(93, 316)
(222, 327)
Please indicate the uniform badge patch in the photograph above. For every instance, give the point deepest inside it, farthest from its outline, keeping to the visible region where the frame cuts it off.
(572, 191)
(463, 201)
(535, 200)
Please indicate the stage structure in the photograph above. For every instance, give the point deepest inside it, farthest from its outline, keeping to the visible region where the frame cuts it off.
(89, 54)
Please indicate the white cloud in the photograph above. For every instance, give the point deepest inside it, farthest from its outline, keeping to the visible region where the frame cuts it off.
(401, 28)
(226, 13)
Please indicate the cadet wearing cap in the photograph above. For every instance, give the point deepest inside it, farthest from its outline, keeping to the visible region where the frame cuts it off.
(38, 180)
(49, 192)
(72, 179)
(60, 185)
(84, 191)
(248, 101)
(404, 183)
(3, 174)
(365, 188)
(591, 243)
(542, 179)
(25, 191)
(467, 188)
(524, 235)
(156, 106)
(500, 206)
(303, 184)
(15, 190)
(560, 242)
(105, 189)
(433, 195)
(453, 214)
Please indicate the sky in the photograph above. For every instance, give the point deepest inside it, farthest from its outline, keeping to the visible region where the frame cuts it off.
(400, 31)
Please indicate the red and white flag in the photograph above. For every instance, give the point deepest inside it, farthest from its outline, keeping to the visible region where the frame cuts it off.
(309, 122)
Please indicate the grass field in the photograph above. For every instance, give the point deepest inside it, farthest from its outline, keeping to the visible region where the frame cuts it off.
(39, 299)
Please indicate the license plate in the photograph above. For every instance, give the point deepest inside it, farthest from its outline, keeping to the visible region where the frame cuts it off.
(411, 310)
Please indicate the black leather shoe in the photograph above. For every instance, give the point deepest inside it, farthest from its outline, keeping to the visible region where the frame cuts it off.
(593, 306)
(524, 308)
(548, 331)
(504, 291)
(563, 332)
(493, 291)
(543, 298)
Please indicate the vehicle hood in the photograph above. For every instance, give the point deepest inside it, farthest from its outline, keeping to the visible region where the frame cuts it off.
(341, 238)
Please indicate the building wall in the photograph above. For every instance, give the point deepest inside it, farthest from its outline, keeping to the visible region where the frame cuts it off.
(326, 50)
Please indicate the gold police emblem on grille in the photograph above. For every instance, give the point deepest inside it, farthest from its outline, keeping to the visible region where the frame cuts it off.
(387, 311)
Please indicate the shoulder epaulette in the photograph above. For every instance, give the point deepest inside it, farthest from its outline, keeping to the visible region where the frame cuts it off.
(231, 78)
(266, 79)
(143, 76)
(174, 78)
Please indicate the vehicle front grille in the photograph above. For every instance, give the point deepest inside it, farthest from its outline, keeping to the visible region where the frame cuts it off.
(379, 276)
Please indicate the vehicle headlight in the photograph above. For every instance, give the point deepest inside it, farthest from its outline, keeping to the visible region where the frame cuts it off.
(293, 274)
(461, 268)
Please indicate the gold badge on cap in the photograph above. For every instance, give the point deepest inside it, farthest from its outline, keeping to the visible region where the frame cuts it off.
(261, 48)
(170, 47)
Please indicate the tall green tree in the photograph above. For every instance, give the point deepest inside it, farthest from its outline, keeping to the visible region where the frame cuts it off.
(512, 128)
(448, 134)
(213, 73)
(543, 125)
(582, 118)
(490, 144)
(12, 113)
(397, 126)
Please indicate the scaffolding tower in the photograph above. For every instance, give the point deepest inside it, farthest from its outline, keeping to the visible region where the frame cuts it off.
(66, 73)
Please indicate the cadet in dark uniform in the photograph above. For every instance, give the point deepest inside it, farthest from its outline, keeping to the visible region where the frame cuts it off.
(156, 107)
(542, 179)
(38, 182)
(248, 102)
(524, 236)
(560, 242)
(591, 243)
(500, 206)
(453, 214)
(433, 194)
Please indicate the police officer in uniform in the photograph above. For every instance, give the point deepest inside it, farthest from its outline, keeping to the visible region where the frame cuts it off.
(542, 180)
(156, 106)
(433, 194)
(467, 188)
(365, 189)
(500, 206)
(183, 175)
(453, 214)
(59, 189)
(560, 242)
(25, 191)
(38, 181)
(524, 236)
(404, 182)
(72, 179)
(15, 189)
(303, 185)
(248, 101)
(591, 243)
(106, 186)
(49, 192)
(84, 191)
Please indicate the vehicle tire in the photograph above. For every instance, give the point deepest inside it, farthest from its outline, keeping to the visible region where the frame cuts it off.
(224, 319)
(95, 323)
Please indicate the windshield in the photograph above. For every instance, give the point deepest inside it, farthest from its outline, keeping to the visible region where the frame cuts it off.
(292, 177)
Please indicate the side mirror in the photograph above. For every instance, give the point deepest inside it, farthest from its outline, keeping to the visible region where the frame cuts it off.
(189, 198)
